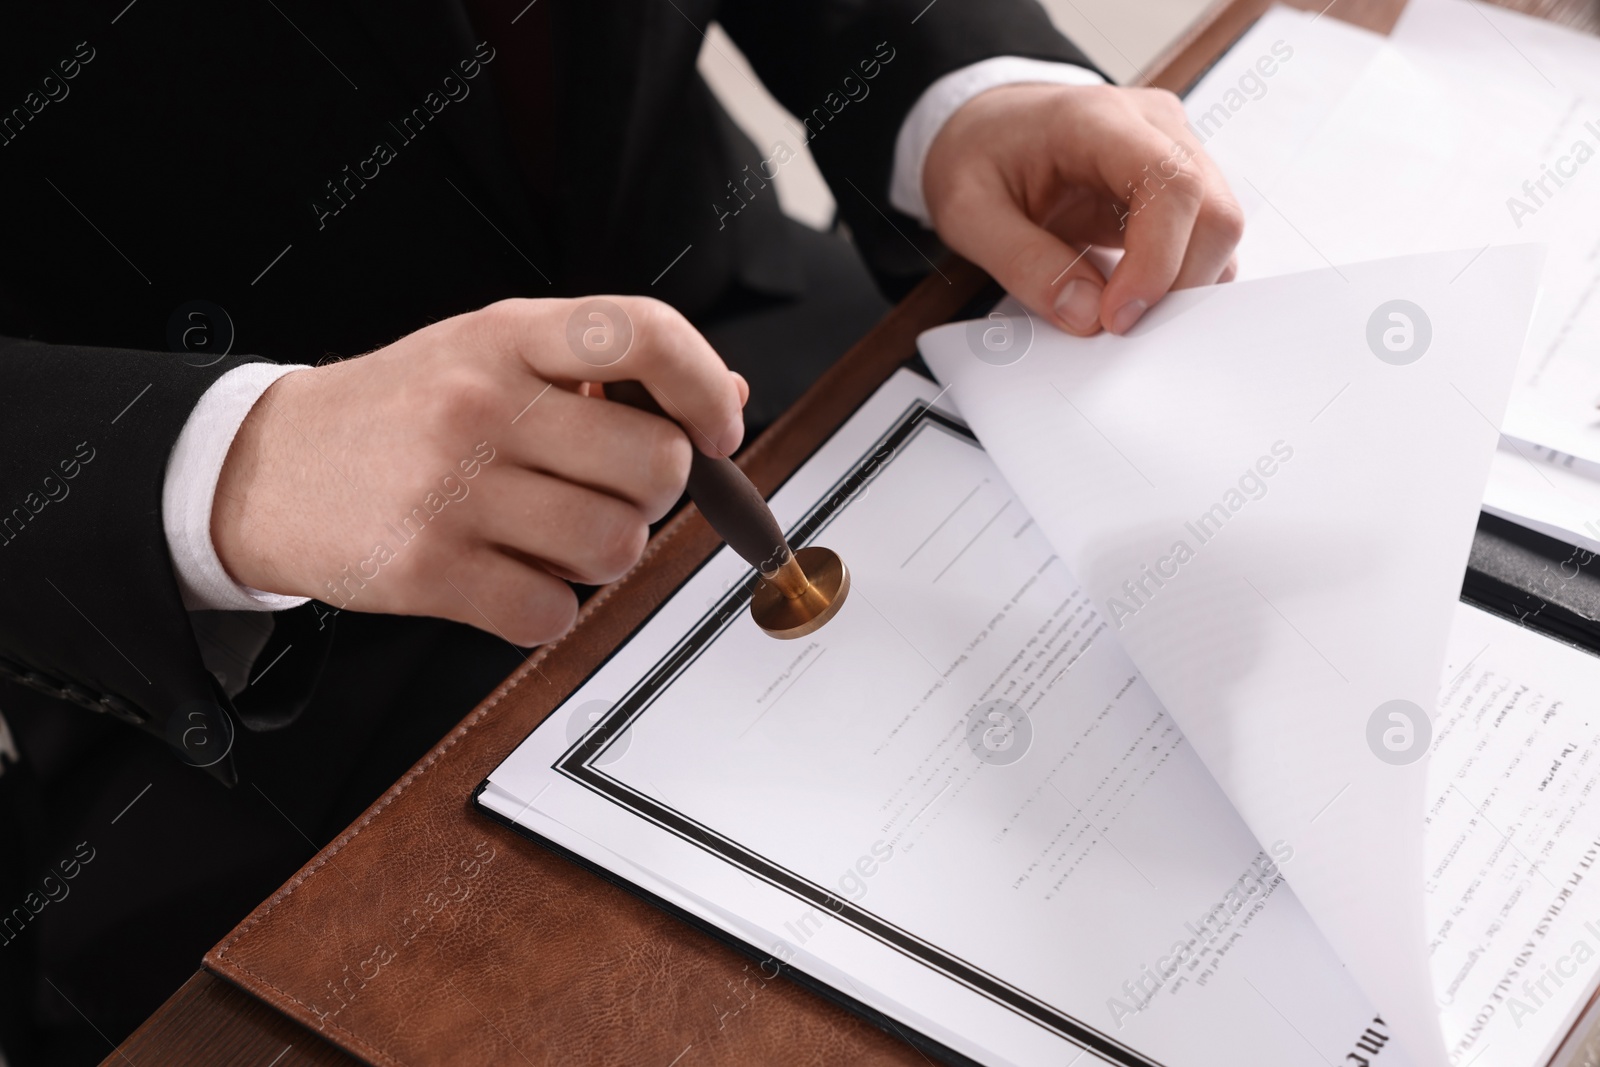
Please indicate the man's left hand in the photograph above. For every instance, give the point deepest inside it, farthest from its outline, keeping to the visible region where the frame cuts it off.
(1024, 178)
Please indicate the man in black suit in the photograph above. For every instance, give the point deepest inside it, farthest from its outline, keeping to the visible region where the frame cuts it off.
(440, 184)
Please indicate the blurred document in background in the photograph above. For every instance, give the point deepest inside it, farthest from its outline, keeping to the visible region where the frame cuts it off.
(1470, 127)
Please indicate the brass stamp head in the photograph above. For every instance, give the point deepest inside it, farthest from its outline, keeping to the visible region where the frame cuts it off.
(805, 593)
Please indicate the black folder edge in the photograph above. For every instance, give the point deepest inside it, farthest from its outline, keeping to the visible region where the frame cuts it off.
(1536, 581)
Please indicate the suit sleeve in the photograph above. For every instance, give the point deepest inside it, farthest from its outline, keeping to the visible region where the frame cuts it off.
(851, 70)
(92, 611)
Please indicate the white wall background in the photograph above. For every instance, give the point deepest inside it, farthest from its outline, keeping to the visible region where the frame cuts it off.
(1120, 36)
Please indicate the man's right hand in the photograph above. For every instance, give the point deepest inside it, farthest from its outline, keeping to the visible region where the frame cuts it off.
(464, 471)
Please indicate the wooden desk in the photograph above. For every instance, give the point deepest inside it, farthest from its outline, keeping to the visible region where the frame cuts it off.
(209, 1021)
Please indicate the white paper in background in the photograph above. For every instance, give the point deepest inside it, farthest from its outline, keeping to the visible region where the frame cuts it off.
(1342, 492)
(1264, 99)
(1518, 49)
(1427, 151)
(1544, 490)
(1517, 57)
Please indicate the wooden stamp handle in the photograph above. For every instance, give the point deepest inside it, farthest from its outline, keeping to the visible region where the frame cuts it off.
(728, 500)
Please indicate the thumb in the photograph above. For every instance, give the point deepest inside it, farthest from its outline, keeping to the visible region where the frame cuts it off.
(1052, 278)
(1076, 295)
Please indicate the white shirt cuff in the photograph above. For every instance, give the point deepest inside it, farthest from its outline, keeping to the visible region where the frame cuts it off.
(947, 96)
(191, 487)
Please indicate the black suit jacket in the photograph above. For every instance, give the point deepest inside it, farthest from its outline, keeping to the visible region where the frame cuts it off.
(327, 176)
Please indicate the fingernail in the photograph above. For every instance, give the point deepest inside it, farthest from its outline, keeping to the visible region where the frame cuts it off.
(743, 387)
(1127, 315)
(1079, 304)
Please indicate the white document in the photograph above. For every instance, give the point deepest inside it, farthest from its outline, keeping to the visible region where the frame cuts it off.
(1473, 128)
(1258, 106)
(1353, 149)
(958, 803)
(1111, 876)
(1273, 512)
(1513, 889)
(1532, 90)
(1532, 53)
